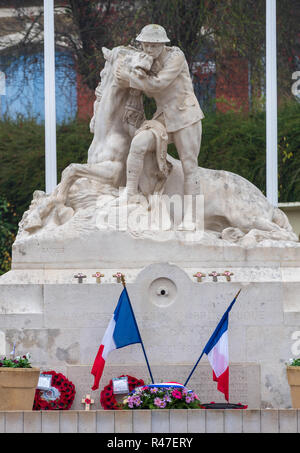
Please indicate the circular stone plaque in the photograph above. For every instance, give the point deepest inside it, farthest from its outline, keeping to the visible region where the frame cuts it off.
(162, 292)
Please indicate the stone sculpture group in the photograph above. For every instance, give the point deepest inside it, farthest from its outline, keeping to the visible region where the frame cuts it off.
(128, 165)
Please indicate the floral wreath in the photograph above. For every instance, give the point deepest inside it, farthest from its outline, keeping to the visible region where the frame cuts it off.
(107, 399)
(60, 397)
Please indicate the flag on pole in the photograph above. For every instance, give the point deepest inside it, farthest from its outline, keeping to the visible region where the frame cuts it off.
(216, 350)
(121, 331)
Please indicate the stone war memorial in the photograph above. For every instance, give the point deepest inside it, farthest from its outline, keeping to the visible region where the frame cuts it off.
(183, 239)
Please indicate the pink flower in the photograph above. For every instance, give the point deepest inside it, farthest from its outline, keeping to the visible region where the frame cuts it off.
(157, 402)
(137, 401)
(131, 402)
(176, 394)
(167, 399)
(153, 389)
(193, 396)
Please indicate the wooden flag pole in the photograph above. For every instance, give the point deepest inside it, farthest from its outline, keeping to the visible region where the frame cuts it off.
(238, 293)
(123, 280)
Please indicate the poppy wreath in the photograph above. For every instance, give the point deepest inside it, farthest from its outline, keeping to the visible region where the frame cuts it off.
(107, 399)
(66, 390)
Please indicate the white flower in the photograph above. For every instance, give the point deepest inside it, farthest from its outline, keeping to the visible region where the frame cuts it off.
(28, 356)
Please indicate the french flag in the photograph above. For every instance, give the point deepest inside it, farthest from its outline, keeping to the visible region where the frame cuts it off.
(216, 350)
(122, 331)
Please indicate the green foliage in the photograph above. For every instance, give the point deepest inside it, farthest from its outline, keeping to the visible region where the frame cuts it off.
(236, 142)
(289, 153)
(149, 107)
(16, 362)
(7, 233)
(22, 156)
(73, 141)
(294, 362)
(22, 160)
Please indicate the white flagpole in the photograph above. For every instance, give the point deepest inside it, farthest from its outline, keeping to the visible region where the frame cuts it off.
(271, 103)
(50, 107)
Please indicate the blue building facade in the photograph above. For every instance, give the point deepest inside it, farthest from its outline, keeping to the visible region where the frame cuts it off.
(23, 89)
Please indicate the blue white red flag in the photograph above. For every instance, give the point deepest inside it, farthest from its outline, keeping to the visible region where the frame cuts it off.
(121, 331)
(216, 350)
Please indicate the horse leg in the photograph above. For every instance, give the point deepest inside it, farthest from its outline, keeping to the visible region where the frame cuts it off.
(258, 229)
(68, 177)
(107, 172)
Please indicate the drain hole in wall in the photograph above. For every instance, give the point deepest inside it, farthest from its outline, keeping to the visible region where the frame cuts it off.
(162, 292)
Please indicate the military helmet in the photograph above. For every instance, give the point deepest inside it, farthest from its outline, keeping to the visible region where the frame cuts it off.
(153, 33)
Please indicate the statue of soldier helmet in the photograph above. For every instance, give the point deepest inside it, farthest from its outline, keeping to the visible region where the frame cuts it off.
(153, 33)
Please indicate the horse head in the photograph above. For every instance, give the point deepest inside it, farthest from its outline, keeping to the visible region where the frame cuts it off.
(137, 60)
(133, 58)
(118, 111)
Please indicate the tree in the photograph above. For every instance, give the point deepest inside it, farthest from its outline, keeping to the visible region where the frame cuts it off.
(81, 27)
(221, 28)
(242, 32)
(190, 25)
(92, 25)
(288, 44)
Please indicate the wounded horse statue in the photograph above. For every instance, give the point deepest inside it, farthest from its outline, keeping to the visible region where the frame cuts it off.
(235, 211)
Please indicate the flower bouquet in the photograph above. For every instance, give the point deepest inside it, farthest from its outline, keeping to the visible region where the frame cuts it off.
(16, 362)
(156, 396)
(294, 362)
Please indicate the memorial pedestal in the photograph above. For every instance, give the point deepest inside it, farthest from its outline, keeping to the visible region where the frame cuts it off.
(46, 312)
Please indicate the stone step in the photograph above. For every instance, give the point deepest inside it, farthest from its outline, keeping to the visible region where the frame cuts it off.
(156, 421)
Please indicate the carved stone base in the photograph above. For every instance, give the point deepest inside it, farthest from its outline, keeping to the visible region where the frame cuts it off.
(111, 249)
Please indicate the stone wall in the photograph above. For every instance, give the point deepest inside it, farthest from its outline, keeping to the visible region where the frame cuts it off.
(61, 323)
